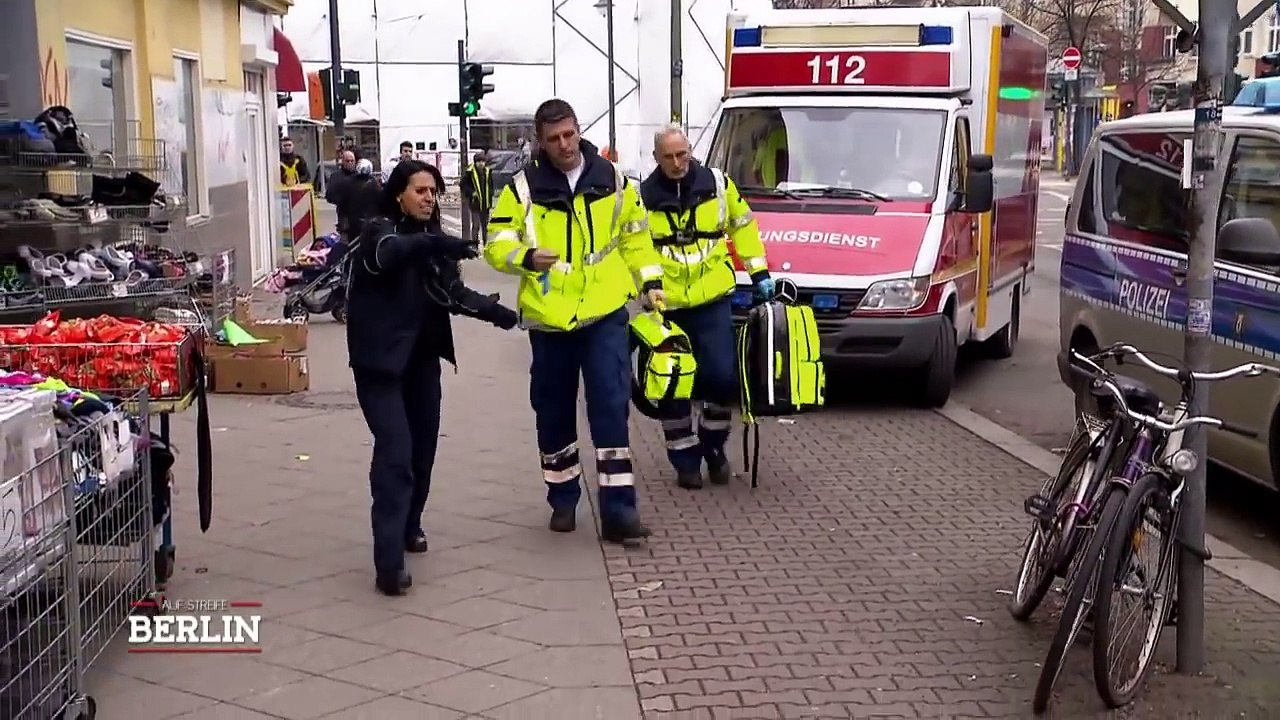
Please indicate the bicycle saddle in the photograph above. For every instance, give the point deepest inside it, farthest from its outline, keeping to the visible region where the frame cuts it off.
(1140, 397)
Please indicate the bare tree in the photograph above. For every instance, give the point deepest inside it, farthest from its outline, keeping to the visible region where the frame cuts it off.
(1068, 23)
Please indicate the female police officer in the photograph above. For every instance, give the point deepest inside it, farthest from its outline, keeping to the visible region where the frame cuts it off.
(404, 285)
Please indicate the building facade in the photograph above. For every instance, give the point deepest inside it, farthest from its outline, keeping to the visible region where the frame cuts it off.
(187, 86)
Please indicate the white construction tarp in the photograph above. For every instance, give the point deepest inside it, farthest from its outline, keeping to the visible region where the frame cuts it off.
(406, 52)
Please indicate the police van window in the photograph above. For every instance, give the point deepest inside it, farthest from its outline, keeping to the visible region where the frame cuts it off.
(892, 152)
(1141, 200)
(1085, 218)
(1252, 188)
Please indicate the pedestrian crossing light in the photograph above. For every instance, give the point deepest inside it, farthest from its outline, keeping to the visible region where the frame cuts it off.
(472, 87)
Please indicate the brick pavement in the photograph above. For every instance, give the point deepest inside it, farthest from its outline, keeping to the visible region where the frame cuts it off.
(843, 587)
(863, 579)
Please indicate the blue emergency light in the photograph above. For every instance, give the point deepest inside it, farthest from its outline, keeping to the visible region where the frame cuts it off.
(747, 37)
(935, 35)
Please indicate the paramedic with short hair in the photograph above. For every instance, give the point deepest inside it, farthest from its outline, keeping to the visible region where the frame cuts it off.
(693, 209)
(572, 227)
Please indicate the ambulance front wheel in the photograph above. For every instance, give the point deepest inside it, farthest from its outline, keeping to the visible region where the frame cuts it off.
(940, 372)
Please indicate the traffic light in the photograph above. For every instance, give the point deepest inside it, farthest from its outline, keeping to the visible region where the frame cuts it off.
(1058, 91)
(471, 87)
(347, 92)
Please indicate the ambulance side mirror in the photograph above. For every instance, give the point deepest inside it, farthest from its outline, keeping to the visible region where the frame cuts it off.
(980, 186)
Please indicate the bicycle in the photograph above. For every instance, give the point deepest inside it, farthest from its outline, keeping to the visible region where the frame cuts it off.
(1152, 478)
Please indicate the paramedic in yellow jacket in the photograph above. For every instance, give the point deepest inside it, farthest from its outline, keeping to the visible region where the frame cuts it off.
(571, 226)
(693, 210)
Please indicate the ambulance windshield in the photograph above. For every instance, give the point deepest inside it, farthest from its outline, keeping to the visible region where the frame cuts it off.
(892, 153)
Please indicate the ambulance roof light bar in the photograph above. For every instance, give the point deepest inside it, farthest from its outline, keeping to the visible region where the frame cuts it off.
(796, 36)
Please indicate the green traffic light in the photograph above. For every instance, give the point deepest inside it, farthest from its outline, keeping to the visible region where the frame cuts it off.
(1017, 93)
(470, 108)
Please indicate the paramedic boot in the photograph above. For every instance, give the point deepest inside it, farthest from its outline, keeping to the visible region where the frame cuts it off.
(563, 519)
(718, 471)
(619, 520)
(689, 479)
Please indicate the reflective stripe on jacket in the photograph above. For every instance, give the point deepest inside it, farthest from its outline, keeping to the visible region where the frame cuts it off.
(690, 221)
(598, 229)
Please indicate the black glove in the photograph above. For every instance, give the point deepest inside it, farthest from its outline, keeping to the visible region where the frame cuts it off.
(454, 249)
(502, 316)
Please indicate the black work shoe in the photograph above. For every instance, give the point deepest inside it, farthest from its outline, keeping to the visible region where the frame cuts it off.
(563, 519)
(689, 480)
(625, 532)
(394, 585)
(719, 474)
(416, 543)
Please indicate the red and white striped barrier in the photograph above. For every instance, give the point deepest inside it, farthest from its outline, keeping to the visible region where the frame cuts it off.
(298, 218)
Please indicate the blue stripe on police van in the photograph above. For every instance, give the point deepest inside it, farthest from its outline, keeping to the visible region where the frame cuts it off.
(1140, 283)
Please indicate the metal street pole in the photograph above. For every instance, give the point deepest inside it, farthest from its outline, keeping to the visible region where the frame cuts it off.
(335, 83)
(464, 211)
(1217, 23)
(677, 63)
(613, 109)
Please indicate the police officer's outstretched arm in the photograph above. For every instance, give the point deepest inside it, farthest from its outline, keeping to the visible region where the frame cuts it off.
(744, 232)
(383, 249)
(636, 244)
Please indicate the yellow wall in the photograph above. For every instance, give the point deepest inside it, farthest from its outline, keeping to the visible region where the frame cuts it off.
(156, 28)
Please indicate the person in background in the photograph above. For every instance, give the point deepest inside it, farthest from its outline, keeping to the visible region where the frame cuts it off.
(337, 184)
(693, 210)
(573, 229)
(477, 191)
(359, 199)
(405, 282)
(293, 169)
(406, 153)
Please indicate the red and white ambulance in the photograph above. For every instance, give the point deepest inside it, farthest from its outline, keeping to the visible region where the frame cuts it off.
(891, 157)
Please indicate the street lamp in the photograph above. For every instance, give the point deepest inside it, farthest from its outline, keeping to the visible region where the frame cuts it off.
(606, 9)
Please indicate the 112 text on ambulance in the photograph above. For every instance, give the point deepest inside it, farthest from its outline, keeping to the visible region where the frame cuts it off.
(167, 625)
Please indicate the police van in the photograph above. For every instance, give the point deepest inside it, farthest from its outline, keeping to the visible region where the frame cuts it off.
(1124, 263)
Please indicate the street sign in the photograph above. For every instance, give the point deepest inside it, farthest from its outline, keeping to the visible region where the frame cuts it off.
(1071, 58)
(1071, 74)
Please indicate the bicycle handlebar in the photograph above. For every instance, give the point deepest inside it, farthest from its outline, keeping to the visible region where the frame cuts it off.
(1105, 379)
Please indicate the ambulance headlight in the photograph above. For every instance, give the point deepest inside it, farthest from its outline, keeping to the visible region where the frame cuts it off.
(906, 294)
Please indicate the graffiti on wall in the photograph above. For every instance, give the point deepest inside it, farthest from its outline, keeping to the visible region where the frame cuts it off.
(55, 81)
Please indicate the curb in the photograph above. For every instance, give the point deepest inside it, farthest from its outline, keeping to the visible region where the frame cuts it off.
(1228, 560)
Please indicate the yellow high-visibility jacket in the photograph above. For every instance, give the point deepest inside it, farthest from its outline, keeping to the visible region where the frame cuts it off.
(598, 229)
(690, 221)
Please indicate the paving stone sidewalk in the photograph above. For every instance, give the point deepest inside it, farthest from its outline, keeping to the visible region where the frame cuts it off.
(505, 620)
(862, 579)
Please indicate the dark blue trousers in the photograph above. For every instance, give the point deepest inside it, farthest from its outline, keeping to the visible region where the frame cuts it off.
(710, 328)
(598, 355)
(403, 413)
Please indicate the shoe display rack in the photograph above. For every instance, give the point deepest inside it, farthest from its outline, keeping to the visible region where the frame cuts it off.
(90, 238)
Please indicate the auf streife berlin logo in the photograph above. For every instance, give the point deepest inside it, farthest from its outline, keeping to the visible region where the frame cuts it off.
(167, 625)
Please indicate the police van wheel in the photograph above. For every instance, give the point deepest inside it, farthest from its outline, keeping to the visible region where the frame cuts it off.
(1002, 344)
(940, 372)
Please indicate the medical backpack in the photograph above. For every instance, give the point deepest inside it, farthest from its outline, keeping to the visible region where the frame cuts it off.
(779, 365)
(665, 367)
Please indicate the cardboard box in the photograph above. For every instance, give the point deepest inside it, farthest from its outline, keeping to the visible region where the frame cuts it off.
(243, 311)
(291, 333)
(271, 348)
(261, 376)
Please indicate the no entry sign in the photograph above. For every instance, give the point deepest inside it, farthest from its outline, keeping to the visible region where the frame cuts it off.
(1071, 58)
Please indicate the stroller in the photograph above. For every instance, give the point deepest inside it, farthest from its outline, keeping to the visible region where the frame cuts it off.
(327, 291)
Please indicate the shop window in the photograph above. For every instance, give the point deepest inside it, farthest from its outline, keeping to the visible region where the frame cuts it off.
(98, 92)
(186, 74)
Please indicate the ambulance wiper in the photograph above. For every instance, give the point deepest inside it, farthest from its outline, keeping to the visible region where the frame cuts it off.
(764, 190)
(843, 192)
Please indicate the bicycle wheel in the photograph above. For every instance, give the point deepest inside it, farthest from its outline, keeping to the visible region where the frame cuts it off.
(1044, 541)
(1081, 589)
(1147, 509)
